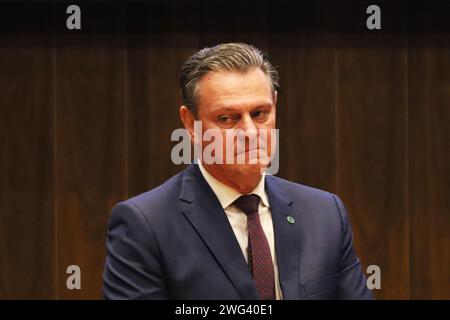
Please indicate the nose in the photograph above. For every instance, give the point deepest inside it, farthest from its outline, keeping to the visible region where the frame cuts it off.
(248, 138)
(246, 122)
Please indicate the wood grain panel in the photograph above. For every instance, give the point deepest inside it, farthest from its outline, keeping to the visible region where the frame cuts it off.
(26, 168)
(372, 154)
(90, 153)
(306, 108)
(429, 132)
(154, 97)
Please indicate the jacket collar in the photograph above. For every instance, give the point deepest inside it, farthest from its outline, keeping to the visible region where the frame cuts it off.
(205, 213)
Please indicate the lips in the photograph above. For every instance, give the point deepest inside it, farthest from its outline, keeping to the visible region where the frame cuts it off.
(247, 150)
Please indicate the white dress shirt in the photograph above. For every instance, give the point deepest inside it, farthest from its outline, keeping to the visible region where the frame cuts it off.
(238, 219)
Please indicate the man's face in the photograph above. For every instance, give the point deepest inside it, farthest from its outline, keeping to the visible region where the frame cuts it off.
(245, 101)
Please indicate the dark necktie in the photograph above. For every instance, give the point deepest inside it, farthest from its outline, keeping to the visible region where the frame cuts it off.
(259, 257)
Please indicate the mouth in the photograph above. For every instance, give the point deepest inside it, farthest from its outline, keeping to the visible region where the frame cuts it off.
(247, 151)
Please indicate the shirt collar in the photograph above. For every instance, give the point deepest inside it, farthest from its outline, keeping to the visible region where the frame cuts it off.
(228, 195)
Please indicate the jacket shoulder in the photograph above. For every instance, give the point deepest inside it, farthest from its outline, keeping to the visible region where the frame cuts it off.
(325, 206)
(157, 199)
(296, 190)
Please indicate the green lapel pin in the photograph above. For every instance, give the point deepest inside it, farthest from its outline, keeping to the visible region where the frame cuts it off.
(290, 219)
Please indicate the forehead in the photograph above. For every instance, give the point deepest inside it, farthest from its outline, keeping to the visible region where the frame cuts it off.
(234, 89)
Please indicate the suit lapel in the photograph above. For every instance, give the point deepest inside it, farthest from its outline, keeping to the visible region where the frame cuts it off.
(204, 212)
(286, 238)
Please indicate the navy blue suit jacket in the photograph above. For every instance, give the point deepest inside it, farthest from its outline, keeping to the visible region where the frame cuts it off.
(175, 242)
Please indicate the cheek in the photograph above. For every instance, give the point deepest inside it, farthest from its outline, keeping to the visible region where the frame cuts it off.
(216, 136)
(268, 137)
(269, 122)
(272, 120)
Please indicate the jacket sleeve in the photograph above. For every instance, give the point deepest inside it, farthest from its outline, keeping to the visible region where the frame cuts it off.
(352, 281)
(133, 267)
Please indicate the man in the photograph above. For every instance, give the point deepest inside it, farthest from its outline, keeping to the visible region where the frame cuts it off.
(221, 230)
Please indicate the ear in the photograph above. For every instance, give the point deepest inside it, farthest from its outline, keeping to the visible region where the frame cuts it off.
(187, 117)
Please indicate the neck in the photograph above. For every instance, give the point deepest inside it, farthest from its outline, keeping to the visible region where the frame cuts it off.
(242, 183)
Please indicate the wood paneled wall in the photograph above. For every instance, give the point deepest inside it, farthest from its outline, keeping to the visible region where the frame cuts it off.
(85, 122)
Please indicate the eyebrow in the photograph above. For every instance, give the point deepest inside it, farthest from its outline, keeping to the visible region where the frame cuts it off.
(233, 109)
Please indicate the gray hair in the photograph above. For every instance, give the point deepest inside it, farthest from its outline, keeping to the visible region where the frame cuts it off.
(239, 57)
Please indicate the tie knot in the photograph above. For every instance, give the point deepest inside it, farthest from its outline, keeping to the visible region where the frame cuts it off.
(248, 203)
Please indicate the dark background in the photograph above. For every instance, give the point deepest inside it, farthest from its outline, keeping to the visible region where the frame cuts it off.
(86, 118)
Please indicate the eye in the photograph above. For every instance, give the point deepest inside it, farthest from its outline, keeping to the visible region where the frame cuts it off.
(225, 119)
(259, 115)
